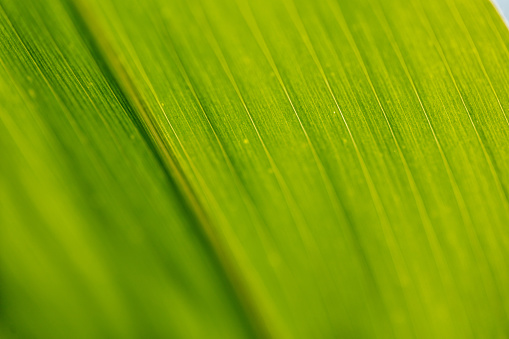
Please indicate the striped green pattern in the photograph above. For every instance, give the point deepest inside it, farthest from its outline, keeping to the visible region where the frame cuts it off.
(254, 168)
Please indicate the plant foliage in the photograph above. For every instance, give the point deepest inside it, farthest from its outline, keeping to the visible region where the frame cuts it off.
(268, 168)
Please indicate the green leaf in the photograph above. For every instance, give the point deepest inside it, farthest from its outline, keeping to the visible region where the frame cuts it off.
(236, 168)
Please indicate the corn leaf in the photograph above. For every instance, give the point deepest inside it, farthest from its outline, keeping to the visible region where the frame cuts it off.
(237, 168)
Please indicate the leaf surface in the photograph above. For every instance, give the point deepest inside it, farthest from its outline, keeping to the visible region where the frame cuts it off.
(278, 168)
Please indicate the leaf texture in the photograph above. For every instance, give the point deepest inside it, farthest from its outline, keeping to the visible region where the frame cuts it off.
(235, 168)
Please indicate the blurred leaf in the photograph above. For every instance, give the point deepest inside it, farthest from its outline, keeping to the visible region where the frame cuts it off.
(236, 168)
